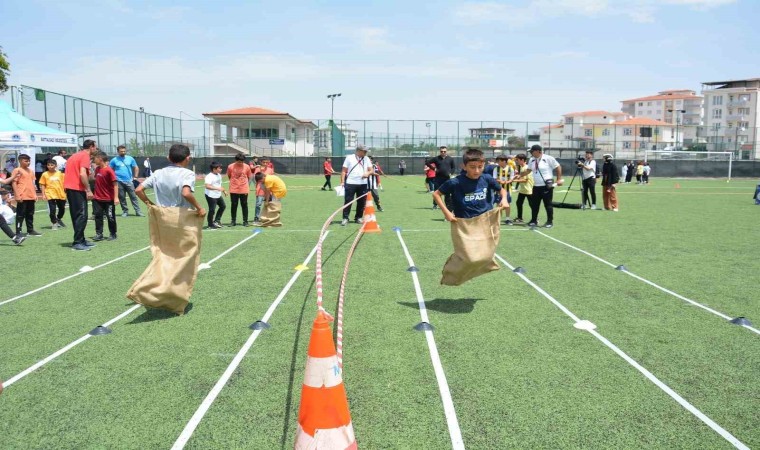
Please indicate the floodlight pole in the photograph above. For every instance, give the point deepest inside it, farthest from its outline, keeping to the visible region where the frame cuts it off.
(332, 122)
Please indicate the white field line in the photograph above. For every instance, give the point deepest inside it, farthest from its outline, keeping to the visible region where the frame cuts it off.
(213, 260)
(673, 394)
(443, 386)
(34, 291)
(667, 291)
(195, 420)
(73, 344)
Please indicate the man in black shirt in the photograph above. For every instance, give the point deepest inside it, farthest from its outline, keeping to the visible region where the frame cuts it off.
(444, 167)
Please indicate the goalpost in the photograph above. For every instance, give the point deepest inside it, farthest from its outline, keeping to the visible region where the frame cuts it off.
(665, 155)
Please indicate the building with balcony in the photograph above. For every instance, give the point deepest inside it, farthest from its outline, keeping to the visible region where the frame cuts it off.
(681, 108)
(732, 116)
(259, 131)
(575, 130)
(492, 137)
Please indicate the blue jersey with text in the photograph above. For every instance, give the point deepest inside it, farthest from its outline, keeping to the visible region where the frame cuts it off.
(471, 197)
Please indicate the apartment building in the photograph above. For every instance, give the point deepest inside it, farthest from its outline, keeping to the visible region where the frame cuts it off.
(493, 136)
(576, 128)
(681, 108)
(732, 116)
(323, 138)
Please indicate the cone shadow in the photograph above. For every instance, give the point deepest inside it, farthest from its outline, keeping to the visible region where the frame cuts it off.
(447, 305)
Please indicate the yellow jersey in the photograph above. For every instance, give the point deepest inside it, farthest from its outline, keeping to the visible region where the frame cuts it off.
(276, 186)
(52, 183)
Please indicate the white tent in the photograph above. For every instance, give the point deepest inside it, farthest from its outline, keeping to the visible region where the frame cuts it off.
(20, 135)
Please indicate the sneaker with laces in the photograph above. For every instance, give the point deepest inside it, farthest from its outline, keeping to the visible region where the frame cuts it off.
(112, 237)
(518, 221)
(344, 222)
(359, 220)
(34, 233)
(89, 244)
(80, 248)
(549, 225)
(19, 239)
(615, 209)
(139, 214)
(256, 223)
(532, 224)
(593, 206)
(97, 238)
(379, 208)
(508, 222)
(246, 224)
(233, 224)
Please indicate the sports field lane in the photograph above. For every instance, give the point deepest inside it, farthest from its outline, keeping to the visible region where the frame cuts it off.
(704, 358)
(133, 388)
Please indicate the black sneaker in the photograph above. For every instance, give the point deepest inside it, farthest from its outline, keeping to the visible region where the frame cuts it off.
(89, 244)
(80, 248)
(111, 237)
(508, 222)
(379, 208)
(34, 233)
(233, 224)
(246, 224)
(61, 224)
(19, 239)
(532, 224)
(97, 238)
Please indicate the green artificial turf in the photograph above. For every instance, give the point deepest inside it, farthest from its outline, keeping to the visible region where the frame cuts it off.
(520, 374)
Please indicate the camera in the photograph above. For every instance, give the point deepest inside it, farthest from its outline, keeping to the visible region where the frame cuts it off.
(580, 161)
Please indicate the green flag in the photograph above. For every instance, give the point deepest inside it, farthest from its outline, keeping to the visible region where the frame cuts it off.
(39, 94)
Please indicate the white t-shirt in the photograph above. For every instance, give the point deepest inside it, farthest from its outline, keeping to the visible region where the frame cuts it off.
(356, 169)
(647, 170)
(589, 173)
(7, 213)
(168, 182)
(214, 179)
(60, 162)
(544, 170)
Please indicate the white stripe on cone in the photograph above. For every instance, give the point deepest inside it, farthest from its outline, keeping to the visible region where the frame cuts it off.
(334, 438)
(322, 372)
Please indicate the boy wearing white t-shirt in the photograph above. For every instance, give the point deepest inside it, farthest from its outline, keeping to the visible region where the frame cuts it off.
(543, 168)
(214, 192)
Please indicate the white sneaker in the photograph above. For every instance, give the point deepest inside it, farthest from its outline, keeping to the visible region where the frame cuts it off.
(344, 222)
(593, 206)
(55, 226)
(615, 209)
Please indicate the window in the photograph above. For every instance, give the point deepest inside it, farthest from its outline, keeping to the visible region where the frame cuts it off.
(717, 113)
(678, 102)
(741, 138)
(627, 131)
(642, 144)
(568, 137)
(606, 132)
(743, 125)
(260, 133)
(743, 111)
(568, 120)
(588, 132)
(718, 100)
(627, 144)
(641, 103)
(744, 98)
(649, 103)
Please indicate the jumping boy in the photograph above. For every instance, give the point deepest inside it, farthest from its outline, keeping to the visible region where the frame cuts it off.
(173, 185)
(472, 192)
(213, 193)
(25, 194)
(105, 197)
(51, 186)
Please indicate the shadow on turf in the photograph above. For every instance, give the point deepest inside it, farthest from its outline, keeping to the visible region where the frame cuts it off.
(152, 314)
(447, 305)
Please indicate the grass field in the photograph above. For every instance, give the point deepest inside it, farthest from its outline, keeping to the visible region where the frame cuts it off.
(519, 373)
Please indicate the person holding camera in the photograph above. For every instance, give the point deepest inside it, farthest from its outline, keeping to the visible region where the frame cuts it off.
(589, 178)
(610, 179)
(543, 168)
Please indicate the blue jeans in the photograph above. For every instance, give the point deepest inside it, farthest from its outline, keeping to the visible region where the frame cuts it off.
(257, 211)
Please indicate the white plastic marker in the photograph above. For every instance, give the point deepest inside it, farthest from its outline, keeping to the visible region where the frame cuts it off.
(187, 433)
(591, 328)
(81, 271)
(73, 344)
(667, 291)
(443, 386)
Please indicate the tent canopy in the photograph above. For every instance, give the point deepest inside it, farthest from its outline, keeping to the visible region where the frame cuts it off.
(16, 131)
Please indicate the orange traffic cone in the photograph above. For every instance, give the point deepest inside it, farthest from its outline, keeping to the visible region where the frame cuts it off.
(677, 185)
(369, 219)
(323, 418)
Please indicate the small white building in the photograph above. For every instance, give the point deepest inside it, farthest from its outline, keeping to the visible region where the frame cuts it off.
(323, 138)
(492, 137)
(681, 107)
(576, 129)
(732, 116)
(259, 131)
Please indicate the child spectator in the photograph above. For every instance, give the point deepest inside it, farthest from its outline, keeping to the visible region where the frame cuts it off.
(214, 192)
(328, 171)
(373, 183)
(504, 174)
(524, 182)
(239, 174)
(8, 216)
(105, 197)
(25, 195)
(38, 169)
(51, 185)
(429, 177)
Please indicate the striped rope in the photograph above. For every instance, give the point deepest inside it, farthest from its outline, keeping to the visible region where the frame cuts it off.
(341, 296)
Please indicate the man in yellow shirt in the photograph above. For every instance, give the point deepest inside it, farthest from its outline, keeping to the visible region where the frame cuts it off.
(51, 184)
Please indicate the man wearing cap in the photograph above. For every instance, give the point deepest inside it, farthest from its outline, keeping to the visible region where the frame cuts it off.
(444, 167)
(610, 179)
(543, 168)
(353, 178)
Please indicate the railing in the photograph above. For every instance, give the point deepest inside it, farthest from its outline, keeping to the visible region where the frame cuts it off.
(744, 102)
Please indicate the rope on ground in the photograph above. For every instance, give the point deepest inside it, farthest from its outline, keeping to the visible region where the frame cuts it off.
(341, 297)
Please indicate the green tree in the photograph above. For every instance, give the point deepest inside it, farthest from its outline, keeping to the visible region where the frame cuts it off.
(5, 70)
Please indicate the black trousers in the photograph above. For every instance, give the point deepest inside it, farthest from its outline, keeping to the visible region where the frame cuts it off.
(375, 196)
(541, 193)
(25, 213)
(629, 175)
(102, 208)
(328, 182)
(6, 229)
(353, 191)
(78, 213)
(589, 187)
(213, 204)
(243, 200)
(60, 205)
(520, 201)
(402, 170)
(447, 199)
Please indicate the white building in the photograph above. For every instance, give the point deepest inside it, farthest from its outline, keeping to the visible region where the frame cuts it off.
(323, 138)
(576, 130)
(682, 108)
(492, 137)
(259, 131)
(731, 116)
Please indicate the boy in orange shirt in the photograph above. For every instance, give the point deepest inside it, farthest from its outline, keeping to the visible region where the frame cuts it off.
(239, 174)
(26, 195)
(51, 186)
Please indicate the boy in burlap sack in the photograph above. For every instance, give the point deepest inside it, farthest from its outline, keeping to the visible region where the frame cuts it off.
(474, 222)
(175, 236)
(274, 191)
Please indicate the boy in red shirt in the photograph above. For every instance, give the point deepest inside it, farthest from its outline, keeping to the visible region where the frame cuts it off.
(105, 198)
(328, 171)
(25, 193)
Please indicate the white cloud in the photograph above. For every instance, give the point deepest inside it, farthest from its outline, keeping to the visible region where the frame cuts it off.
(373, 39)
(568, 54)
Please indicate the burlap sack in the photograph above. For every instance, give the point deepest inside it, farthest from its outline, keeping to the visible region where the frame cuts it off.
(175, 242)
(270, 214)
(475, 241)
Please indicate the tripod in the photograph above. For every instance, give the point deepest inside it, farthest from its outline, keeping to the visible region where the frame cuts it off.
(562, 204)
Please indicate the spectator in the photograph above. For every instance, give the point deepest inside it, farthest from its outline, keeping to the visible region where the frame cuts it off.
(78, 191)
(147, 167)
(328, 171)
(444, 168)
(214, 192)
(126, 171)
(524, 182)
(38, 169)
(429, 177)
(10, 164)
(588, 194)
(239, 174)
(54, 194)
(610, 180)
(60, 160)
(373, 183)
(543, 168)
(105, 197)
(402, 167)
(647, 171)
(630, 171)
(353, 177)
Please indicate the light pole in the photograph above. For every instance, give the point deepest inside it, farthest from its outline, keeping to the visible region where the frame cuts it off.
(332, 123)
(678, 121)
(427, 125)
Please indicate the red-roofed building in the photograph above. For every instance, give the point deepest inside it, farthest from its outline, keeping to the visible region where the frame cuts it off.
(255, 131)
(678, 107)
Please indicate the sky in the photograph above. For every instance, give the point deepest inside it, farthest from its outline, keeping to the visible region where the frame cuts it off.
(521, 60)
